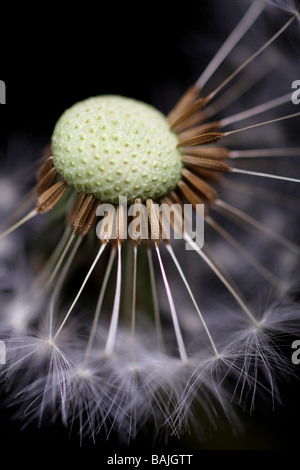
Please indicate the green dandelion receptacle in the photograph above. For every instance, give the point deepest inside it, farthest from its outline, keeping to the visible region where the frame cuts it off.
(111, 146)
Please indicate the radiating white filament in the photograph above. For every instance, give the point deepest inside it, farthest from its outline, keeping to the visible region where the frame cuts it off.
(102, 248)
(111, 338)
(214, 268)
(240, 30)
(100, 301)
(180, 343)
(250, 59)
(133, 309)
(179, 269)
(256, 110)
(61, 280)
(262, 153)
(159, 334)
(255, 223)
(265, 175)
(18, 224)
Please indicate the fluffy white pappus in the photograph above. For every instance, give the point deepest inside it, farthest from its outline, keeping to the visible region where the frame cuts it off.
(39, 374)
(92, 401)
(30, 356)
(254, 354)
(253, 360)
(206, 391)
(148, 390)
(111, 393)
(45, 397)
(282, 318)
(136, 388)
(290, 6)
(128, 389)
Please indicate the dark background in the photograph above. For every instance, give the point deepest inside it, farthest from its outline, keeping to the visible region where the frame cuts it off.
(51, 57)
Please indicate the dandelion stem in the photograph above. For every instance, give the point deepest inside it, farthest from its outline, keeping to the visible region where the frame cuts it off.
(159, 334)
(116, 309)
(250, 59)
(99, 303)
(102, 248)
(180, 343)
(22, 221)
(178, 267)
(240, 30)
(240, 301)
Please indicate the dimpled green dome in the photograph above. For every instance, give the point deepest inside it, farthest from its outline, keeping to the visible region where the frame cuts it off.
(111, 146)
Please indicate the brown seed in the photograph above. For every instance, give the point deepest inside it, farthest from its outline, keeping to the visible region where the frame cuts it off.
(198, 183)
(83, 213)
(46, 181)
(206, 163)
(46, 167)
(186, 100)
(207, 138)
(49, 198)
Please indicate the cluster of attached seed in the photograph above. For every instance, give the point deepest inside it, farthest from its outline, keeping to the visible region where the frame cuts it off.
(112, 146)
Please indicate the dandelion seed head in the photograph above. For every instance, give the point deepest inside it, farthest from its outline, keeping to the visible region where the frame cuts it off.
(112, 146)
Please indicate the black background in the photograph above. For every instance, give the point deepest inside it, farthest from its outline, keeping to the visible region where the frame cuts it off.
(54, 58)
(54, 55)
